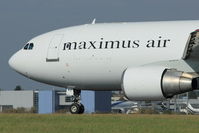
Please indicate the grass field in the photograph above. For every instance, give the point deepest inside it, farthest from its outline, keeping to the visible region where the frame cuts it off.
(98, 123)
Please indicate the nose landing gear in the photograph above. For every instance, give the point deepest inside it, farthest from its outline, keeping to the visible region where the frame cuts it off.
(76, 107)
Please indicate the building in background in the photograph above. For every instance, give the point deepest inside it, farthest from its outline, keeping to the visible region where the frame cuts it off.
(17, 99)
(51, 101)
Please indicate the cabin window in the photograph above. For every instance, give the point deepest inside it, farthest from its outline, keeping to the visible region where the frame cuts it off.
(28, 46)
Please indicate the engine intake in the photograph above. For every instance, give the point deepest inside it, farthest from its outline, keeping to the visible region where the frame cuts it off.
(156, 82)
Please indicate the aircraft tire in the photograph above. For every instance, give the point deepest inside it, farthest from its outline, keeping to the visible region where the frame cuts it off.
(81, 109)
(75, 108)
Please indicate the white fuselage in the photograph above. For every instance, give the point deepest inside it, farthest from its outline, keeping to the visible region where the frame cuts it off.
(94, 56)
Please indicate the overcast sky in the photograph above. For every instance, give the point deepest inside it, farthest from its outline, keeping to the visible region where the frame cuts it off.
(21, 20)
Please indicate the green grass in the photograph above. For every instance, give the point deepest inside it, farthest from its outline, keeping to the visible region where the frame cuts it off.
(61, 123)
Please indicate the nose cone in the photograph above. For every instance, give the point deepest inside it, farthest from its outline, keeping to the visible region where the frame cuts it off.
(12, 62)
(17, 63)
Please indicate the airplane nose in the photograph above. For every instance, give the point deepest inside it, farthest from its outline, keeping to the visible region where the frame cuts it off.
(16, 62)
(11, 62)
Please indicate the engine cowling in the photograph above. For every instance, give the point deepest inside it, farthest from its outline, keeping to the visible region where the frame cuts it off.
(156, 82)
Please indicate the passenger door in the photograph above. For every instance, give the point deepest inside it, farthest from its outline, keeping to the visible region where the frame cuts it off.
(53, 49)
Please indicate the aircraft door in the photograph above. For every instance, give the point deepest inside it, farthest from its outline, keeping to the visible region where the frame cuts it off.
(53, 49)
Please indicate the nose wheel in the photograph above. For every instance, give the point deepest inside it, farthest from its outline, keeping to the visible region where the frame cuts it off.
(76, 107)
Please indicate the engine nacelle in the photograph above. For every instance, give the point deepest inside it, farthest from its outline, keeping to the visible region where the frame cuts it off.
(156, 82)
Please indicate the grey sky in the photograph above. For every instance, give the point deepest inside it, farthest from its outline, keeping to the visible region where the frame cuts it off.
(21, 20)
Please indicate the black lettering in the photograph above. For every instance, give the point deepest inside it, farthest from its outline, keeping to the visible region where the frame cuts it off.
(101, 43)
(165, 42)
(159, 41)
(82, 45)
(118, 44)
(136, 44)
(75, 45)
(111, 44)
(150, 43)
(67, 46)
(106, 44)
(92, 44)
(124, 44)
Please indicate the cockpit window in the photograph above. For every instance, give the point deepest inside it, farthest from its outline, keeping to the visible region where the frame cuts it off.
(28, 46)
(31, 46)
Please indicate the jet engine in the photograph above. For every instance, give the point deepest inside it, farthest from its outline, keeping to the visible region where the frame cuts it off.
(156, 82)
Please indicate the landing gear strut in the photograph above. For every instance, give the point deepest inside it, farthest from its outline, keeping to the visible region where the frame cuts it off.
(76, 107)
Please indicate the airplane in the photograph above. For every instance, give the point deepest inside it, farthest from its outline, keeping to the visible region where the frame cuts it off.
(124, 106)
(191, 109)
(146, 60)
